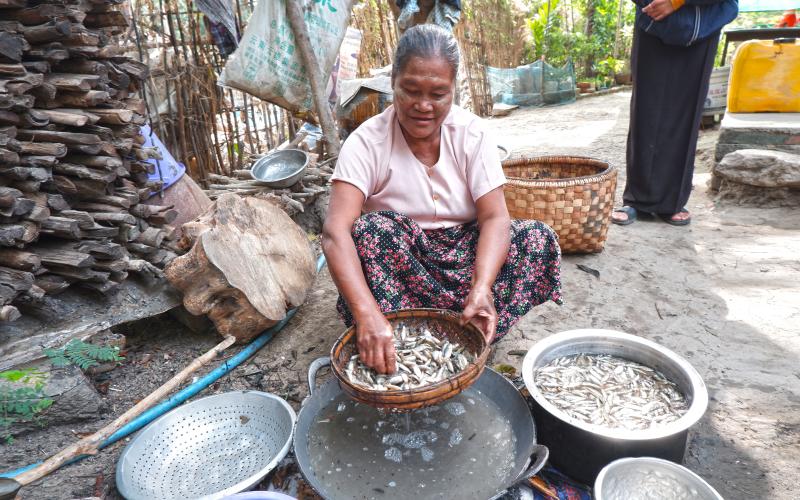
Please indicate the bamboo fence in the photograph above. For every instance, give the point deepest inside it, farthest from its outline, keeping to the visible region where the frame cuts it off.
(210, 129)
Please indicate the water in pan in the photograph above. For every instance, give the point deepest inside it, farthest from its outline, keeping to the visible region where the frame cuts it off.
(462, 448)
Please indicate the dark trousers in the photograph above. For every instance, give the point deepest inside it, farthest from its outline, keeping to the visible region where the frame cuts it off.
(670, 85)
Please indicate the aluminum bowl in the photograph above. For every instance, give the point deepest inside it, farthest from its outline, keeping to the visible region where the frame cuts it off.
(629, 478)
(209, 448)
(280, 169)
(581, 450)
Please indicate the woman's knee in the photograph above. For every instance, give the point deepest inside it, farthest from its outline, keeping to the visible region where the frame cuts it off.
(532, 236)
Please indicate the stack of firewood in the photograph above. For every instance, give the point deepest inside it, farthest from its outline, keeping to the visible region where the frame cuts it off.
(72, 165)
(292, 200)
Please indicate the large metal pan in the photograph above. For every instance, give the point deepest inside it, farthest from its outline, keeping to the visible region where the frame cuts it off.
(529, 457)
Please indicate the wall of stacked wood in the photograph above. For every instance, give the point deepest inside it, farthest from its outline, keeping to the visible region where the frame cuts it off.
(73, 174)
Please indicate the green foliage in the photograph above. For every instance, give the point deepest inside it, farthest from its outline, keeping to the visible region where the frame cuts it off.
(21, 398)
(565, 37)
(82, 354)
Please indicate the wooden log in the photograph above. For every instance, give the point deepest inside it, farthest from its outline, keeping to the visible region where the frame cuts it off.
(91, 206)
(100, 232)
(113, 116)
(106, 162)
(57, 202)
(38, 214)
(260, 289)
(85, 149)
(11, 69)
(111, 266)
(151, 236)
(55, 149)
(72, 81)
(53, 53)
(8, 196)
(114, 218)
(64, 185)
(83, 172)
(20, 260)
(47, 32)
(52, 284)
(57, 136)
(10, 234)
(85, 220)
(91, 117)
(20, 206)
(8, 157)
(61, 227)
(128, 232)
(141, 248)
(105, 19)
(16, 102)
(24, 173)
(63, 117)
(9, 313)
(27, 186)
(102, 250)
(37, 161)
(79, 273)
(44, 13)
(62, 256)
(31, 232)
(37, 66)
(89, 99)
(89, 188)
(9, 118)
(12, 46)
(13, 283)
(117, 201)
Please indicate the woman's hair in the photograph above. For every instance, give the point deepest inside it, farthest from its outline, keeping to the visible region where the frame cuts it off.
(425, 41)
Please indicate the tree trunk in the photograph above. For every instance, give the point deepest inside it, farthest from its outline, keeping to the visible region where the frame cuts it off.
(294, 12)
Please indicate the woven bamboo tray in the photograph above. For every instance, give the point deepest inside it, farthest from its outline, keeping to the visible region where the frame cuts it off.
(443, 324)
(572, 194)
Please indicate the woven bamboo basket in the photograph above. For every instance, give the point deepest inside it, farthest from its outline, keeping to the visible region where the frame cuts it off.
(441, 323)
(574, 195)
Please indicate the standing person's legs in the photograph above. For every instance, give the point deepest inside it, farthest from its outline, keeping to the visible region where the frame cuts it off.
(670, 86)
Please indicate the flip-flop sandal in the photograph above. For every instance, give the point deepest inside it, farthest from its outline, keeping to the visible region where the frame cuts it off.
(668, 218)
(629, 211)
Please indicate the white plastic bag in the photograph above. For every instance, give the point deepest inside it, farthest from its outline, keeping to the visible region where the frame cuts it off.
(267, 63)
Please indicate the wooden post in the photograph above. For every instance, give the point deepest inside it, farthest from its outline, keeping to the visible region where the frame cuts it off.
(294, 12)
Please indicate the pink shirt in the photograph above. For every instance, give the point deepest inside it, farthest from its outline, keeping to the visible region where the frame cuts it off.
(377, 160)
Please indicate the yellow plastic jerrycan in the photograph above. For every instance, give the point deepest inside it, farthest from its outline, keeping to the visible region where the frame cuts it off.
(765, 77)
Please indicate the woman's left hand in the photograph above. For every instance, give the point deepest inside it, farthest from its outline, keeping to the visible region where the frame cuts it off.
(479, 310)
(659, 9)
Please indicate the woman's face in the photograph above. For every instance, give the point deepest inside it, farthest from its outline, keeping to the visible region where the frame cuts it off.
(423, 94)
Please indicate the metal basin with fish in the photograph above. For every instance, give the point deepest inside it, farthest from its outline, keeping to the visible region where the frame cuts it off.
(474, 445)
(580, 449)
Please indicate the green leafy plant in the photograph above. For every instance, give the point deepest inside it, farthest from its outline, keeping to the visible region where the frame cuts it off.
(83, 355)
(22, 398)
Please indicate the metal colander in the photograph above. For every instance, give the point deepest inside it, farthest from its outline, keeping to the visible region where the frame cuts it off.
(208, 449)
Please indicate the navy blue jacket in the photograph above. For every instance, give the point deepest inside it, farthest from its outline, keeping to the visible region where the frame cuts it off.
(694, 21)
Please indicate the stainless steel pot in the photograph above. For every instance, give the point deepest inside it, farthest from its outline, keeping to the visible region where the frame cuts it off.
(280, 169)
(635, 477)
(529, 457)
(581, 450)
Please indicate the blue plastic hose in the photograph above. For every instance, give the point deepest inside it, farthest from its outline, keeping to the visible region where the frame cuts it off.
(187, 392)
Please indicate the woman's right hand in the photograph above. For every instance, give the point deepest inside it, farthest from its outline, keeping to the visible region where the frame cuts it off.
(375, 342)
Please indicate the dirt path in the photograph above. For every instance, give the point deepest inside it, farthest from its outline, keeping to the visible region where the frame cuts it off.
(722, 292)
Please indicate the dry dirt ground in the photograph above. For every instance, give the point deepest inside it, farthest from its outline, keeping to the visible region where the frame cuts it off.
(723, 292)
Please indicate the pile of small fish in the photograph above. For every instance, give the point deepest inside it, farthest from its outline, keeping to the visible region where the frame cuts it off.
(422, 359)
(611, 392)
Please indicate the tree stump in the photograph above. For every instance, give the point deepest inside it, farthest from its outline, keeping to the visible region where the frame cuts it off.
(248, 265)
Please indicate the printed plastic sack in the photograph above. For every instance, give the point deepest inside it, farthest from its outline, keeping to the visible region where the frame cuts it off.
(267, 63)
